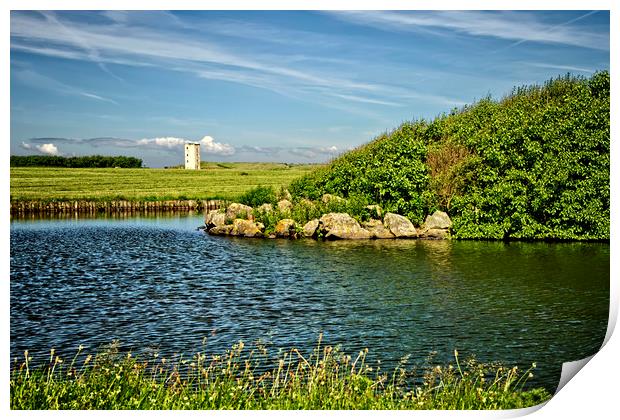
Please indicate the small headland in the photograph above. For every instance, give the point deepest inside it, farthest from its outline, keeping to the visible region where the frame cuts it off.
(330, 218)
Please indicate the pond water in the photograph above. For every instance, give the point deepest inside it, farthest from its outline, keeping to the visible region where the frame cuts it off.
(158, 283)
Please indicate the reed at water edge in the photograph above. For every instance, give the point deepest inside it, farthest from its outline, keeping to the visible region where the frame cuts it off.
(250, 379)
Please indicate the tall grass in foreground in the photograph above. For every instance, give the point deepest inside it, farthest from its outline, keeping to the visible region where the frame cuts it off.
(325, 379)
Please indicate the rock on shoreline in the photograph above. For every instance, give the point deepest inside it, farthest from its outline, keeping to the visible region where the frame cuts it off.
(341, 226)
(238, 220)
(399, 225)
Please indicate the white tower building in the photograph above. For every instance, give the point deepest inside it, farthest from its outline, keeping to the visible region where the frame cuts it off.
(192, 155)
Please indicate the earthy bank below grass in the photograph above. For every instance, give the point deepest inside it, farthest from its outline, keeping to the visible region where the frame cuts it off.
(533, 165)
(216, 180)
(325, 379)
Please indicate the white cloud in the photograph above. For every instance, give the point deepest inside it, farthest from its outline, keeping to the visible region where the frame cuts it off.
(163, 142)
(207, 144)
(331, 149)
(46, 148)
(320, 152)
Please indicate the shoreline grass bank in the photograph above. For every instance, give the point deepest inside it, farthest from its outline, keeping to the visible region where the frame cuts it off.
(238, 379)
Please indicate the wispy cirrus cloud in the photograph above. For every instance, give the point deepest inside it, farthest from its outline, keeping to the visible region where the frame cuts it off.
(366, 100)
(34, 79)
(91, 52)
(558, 67)
(137, 44)
(120, 42)
(507, 25)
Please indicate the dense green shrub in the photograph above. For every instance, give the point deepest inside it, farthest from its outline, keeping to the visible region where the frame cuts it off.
(363, 173)
(542, 164)
(258, 195)
(534, 165)
(95, 161)
(268, 218)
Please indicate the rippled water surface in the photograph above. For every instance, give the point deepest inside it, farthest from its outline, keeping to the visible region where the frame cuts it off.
(158, 283)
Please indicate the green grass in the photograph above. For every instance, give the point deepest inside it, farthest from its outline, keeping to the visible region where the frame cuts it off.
(217, 180)
(243, 379)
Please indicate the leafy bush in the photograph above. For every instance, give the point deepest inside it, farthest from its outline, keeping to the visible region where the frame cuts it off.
(363, 173)
(258, 195)
(268, 218)
(305, 211)
(542, 164)
(534, 165)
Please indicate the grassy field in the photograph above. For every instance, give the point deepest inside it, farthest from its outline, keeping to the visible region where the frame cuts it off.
(216, 180)
(248, 379)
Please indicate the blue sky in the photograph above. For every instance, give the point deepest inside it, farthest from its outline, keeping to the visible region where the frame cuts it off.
(267, 85)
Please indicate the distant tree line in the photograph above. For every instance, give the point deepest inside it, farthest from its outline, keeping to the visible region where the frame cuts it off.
(95, 161)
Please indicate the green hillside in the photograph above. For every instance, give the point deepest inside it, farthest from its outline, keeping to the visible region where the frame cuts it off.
(533, 165)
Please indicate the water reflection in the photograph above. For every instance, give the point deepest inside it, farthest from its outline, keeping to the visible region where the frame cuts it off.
(102, 215)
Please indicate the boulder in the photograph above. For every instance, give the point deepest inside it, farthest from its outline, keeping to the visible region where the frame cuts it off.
(311, 227)
(221, 230)
(438, 220)
(341, 226)
(215, 218)
(245, 228)
(327, 198)
(399, 225)
(377, 230)
(265, 208)
(285, 228)
(285, 206)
